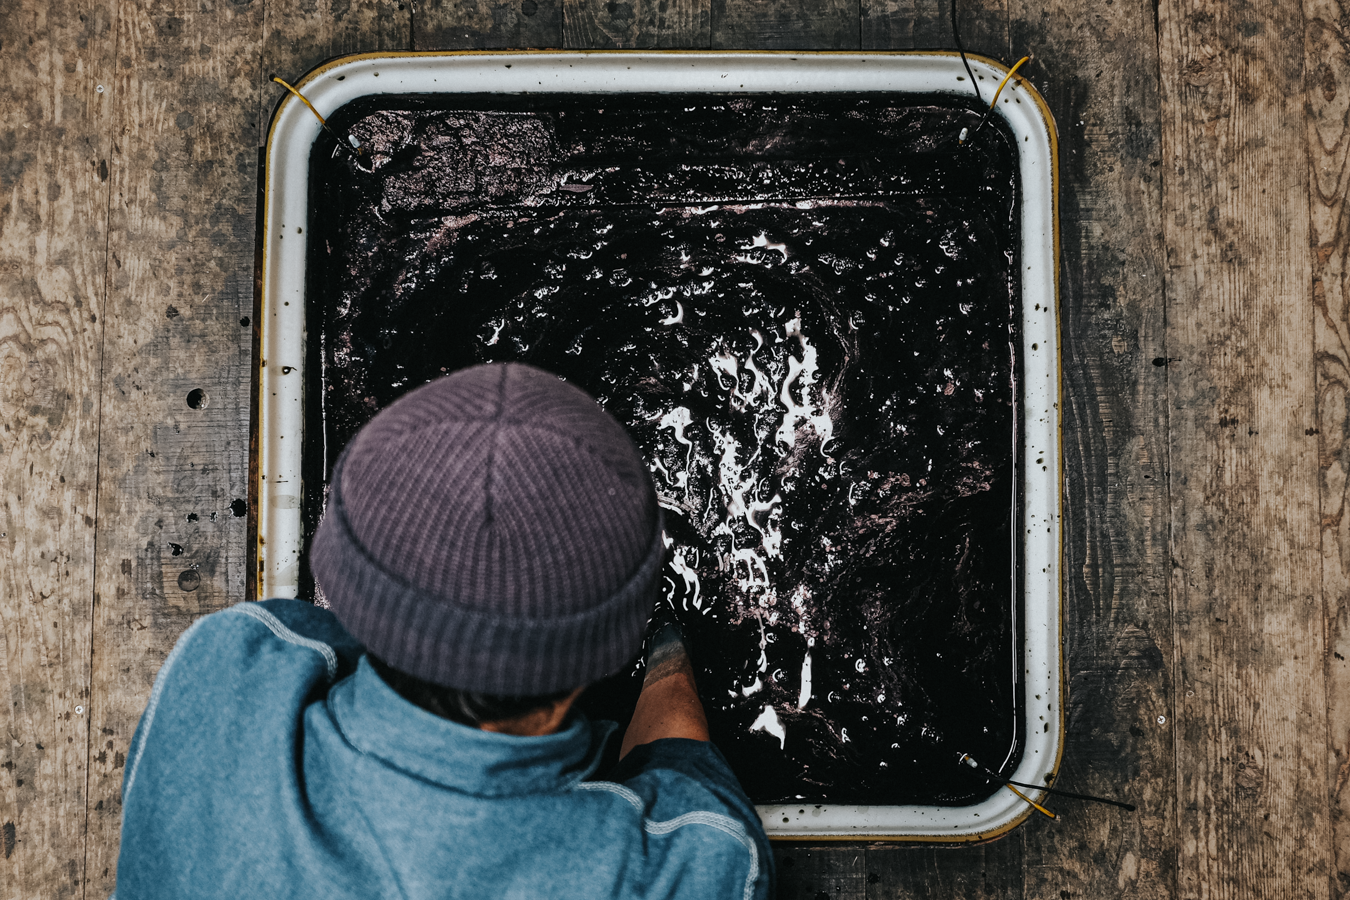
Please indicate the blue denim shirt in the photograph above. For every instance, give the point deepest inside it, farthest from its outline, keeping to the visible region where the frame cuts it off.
(272, 761)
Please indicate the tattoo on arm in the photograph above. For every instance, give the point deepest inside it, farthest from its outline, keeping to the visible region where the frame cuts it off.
(666, 656)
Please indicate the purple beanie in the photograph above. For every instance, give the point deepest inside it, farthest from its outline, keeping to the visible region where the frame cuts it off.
(494, 530)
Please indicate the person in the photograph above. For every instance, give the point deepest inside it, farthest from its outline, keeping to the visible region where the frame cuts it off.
(491, 545)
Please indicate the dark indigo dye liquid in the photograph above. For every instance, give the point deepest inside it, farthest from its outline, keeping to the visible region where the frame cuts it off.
(804, 308)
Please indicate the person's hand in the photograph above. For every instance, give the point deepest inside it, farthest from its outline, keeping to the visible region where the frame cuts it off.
(668, 706)
(663, 632)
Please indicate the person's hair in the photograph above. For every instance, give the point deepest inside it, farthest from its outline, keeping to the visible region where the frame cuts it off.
(465, 707)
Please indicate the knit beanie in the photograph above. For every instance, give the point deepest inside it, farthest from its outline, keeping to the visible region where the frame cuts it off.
(495, 531)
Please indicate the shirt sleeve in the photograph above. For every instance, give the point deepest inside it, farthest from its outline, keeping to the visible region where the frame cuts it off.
(684, 776)
(220, 738)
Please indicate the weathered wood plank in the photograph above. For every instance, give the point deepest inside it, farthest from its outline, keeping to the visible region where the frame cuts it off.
(1250, 704)
(927, 25)
(300, 34)
(1242, 260)
(1100, 77)
(785, 25)
(636, 24)
(812, 871)
(901, 872)
(173, 463)
(53, 227)
(894, 25)
(488, 24)
(1328, 140)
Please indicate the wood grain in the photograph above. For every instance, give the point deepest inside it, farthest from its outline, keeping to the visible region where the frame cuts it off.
(636, 24)
(947, 873)
(1250, 700)
(53, 178)
(785, 25)
(1227, 645)
(896, 24)
(809, 871)
(298, 35)
(488, 24)
(1099, 75)
(1327, 139)
(927, 25)
(180, 256)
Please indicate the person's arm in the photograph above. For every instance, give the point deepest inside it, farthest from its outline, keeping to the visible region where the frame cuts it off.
(668, 706)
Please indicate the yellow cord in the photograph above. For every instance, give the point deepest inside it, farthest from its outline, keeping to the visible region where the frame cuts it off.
(965, 132)
(325, 124)
(1005, 784)
(1010, 74)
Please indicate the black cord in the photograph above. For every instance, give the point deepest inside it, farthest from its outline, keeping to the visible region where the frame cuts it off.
(991, 775)
(1058, 792)
(956, 33)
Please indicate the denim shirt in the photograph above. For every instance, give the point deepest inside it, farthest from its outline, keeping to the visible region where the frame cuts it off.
(272, 761)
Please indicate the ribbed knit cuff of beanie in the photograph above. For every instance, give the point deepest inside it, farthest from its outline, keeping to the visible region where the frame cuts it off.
(495, 531)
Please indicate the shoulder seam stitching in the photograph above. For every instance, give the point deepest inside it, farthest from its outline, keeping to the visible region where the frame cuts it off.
(724, 824)
(279, 629)
(612, 788)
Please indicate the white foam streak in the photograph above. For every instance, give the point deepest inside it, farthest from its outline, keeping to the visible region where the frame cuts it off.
(728, 475)
(496, 332)
(738, 495)
(763, 241)
(763, 654)
(725, 363)
(677, 318)
(802, 372)
(755, 579)
(768, 722)
(689, 574)
(658, 294)
(805, 696)
(771, 536)
(677, 420)
(762, 383)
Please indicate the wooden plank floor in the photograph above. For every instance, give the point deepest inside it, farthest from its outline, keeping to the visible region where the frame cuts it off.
(1206, 316)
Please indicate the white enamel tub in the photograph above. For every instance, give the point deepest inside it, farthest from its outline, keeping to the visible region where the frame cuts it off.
(282, 377)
